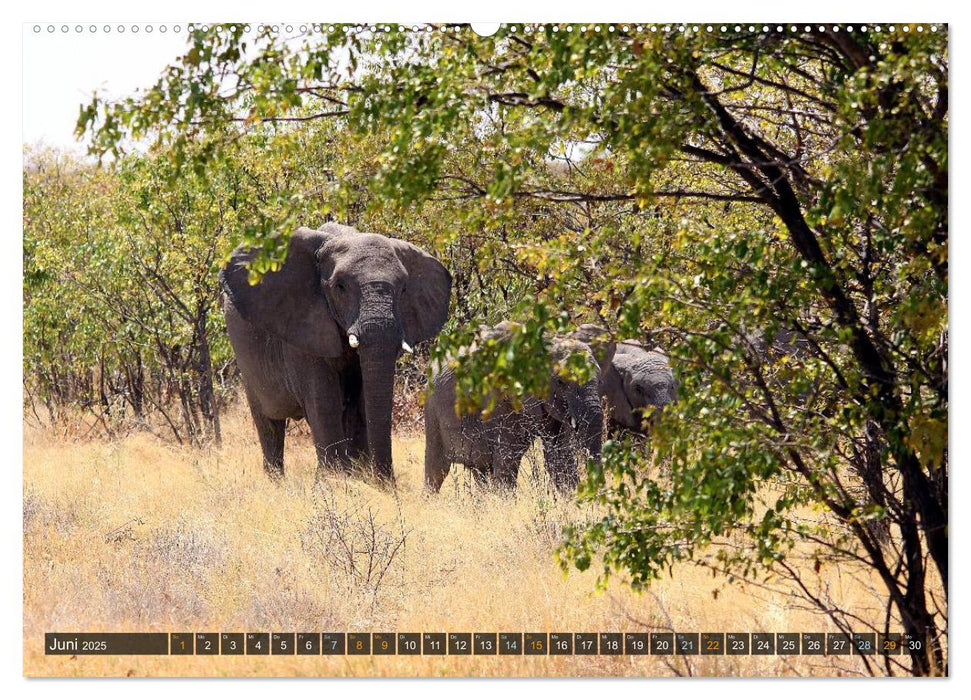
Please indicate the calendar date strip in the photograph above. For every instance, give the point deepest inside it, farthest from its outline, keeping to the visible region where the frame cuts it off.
(477, 643)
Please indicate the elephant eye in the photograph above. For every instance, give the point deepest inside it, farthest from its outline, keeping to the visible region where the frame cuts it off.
(341, 287)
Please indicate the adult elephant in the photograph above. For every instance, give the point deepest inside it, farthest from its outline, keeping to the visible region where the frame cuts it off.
(318, 339)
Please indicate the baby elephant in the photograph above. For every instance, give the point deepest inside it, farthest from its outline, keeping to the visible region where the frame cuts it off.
(637, 380)
(496, 446)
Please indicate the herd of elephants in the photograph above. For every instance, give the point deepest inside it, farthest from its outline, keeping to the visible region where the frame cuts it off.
(319, 338)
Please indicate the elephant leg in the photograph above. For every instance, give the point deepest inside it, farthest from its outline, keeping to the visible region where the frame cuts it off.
(355, 423)
(437, 463)
(505, 473)
(481, 476)
(560, 459)
(505, 464)
(330, 443)
(325, 414)
(551, 455)
(272, 433)
(355, 430)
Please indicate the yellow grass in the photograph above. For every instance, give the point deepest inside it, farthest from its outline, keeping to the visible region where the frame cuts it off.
(138, 535)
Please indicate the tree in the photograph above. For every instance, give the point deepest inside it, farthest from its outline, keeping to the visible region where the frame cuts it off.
(695, 185)
(121, 295)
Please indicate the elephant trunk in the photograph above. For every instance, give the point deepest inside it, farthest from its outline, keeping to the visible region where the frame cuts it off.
(380, 337)
(589, 417)
(377, 371)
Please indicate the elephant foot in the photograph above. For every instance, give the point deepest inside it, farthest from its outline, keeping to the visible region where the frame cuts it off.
(274, 471)
(333, 465)
(381, 474)
(482, 477)
(503, 485)
(363, 469)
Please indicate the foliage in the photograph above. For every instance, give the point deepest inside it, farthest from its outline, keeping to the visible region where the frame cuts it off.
(700, 188)
(121, 297)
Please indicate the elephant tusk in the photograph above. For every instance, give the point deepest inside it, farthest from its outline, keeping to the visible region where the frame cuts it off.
(352, 340)
(573, 422)
(407, 348)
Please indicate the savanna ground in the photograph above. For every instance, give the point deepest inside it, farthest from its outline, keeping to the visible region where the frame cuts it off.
(135, 534)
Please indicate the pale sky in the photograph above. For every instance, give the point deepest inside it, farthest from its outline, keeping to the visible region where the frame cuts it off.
(61, 70)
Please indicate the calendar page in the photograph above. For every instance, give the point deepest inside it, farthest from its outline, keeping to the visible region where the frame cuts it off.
(562, 349)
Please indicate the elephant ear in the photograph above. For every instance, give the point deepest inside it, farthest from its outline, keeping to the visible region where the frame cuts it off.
(600, 342)
(288, 303)
(613, 387)
(424, 302)
(501, 331)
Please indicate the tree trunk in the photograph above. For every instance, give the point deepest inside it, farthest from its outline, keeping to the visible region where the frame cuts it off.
(207, 397)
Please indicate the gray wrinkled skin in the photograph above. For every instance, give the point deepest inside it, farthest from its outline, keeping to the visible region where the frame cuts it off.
(318, 339)
(784, 342)
(568, 418)
(638, 380)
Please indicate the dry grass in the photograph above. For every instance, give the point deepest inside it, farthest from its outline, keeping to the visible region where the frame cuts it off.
(138, 535)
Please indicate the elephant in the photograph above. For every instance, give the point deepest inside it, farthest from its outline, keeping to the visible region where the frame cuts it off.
(779, 359)
(495, 446)
(637, 380)
(785, 342)
(319, 338)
